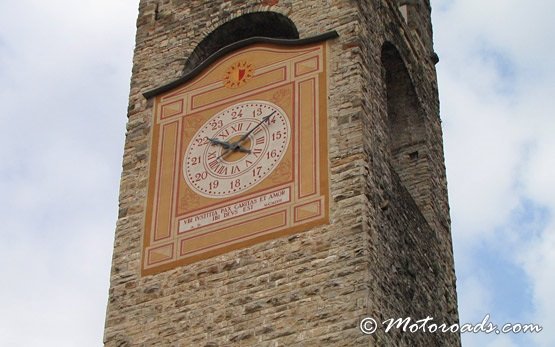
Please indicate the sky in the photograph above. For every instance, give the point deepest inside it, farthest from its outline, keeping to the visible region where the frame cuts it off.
(64, 82)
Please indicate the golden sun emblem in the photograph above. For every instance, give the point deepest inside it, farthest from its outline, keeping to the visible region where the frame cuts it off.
(238, 74)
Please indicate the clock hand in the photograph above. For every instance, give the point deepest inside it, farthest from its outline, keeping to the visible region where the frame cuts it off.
(228, 150)
(224, 153)
(228, 145)
(224, 144)
(242, 149)
(265, 119)
(235, 146)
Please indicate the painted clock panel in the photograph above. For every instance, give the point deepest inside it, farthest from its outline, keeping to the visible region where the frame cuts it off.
(238, 155)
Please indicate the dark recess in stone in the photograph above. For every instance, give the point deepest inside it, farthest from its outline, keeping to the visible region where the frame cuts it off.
(263, 24)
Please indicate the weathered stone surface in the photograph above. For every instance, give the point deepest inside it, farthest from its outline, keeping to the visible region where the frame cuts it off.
(385, 254)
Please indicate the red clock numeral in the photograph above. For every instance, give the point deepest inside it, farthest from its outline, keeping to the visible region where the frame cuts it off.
(235, 169)
(216, 124)
(256, 171)
(277, 135)
(256, 152)
(235, 114)
(201, 141)
(224, 134)
(214, 184)
(260, 140)
(213, 164)
(272, 154)
(222, 170)
(200, 176)
(195, 160)
(236, 128)
(235, 184)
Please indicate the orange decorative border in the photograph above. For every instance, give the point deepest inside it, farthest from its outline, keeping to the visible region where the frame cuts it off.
(304, 200)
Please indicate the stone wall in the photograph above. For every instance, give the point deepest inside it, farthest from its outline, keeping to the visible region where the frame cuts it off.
(380, 256)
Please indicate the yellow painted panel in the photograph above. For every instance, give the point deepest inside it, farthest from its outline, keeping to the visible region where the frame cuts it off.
(261, 81)
(160, 254)
(165, 182)
(306, 211)
(307, 148)
(235, 233)
(306, 66)
(172, 109)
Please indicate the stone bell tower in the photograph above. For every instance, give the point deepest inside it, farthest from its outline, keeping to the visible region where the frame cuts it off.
(283, 177)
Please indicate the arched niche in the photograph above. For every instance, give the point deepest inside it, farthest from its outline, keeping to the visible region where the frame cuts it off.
(256, 24)
(407, 128)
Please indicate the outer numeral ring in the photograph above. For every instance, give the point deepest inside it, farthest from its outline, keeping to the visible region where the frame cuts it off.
(205, 168)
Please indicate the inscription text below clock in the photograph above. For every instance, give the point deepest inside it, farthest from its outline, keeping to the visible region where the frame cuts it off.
(236, 149)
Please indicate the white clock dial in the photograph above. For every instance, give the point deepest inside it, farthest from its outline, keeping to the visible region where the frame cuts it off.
(236, 149)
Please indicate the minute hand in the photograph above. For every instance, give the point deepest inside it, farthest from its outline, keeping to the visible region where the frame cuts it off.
(265, 119)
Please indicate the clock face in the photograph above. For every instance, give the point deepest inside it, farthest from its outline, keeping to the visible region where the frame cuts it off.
(236, 149)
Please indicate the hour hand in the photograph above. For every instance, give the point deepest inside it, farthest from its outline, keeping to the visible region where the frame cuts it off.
(230, 146)
(224, 144)
(242, 149)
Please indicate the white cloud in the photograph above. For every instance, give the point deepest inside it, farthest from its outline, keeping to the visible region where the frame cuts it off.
(496, 88)
(518, 28)
(502, 341)
(482, 147)
(539, 261)
(64, 81)
(478, 297)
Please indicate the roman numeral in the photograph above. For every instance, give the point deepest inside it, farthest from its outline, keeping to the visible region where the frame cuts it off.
(224, 134)
(222, 170)
(256, 151)
(237, 128)
(213, 164)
